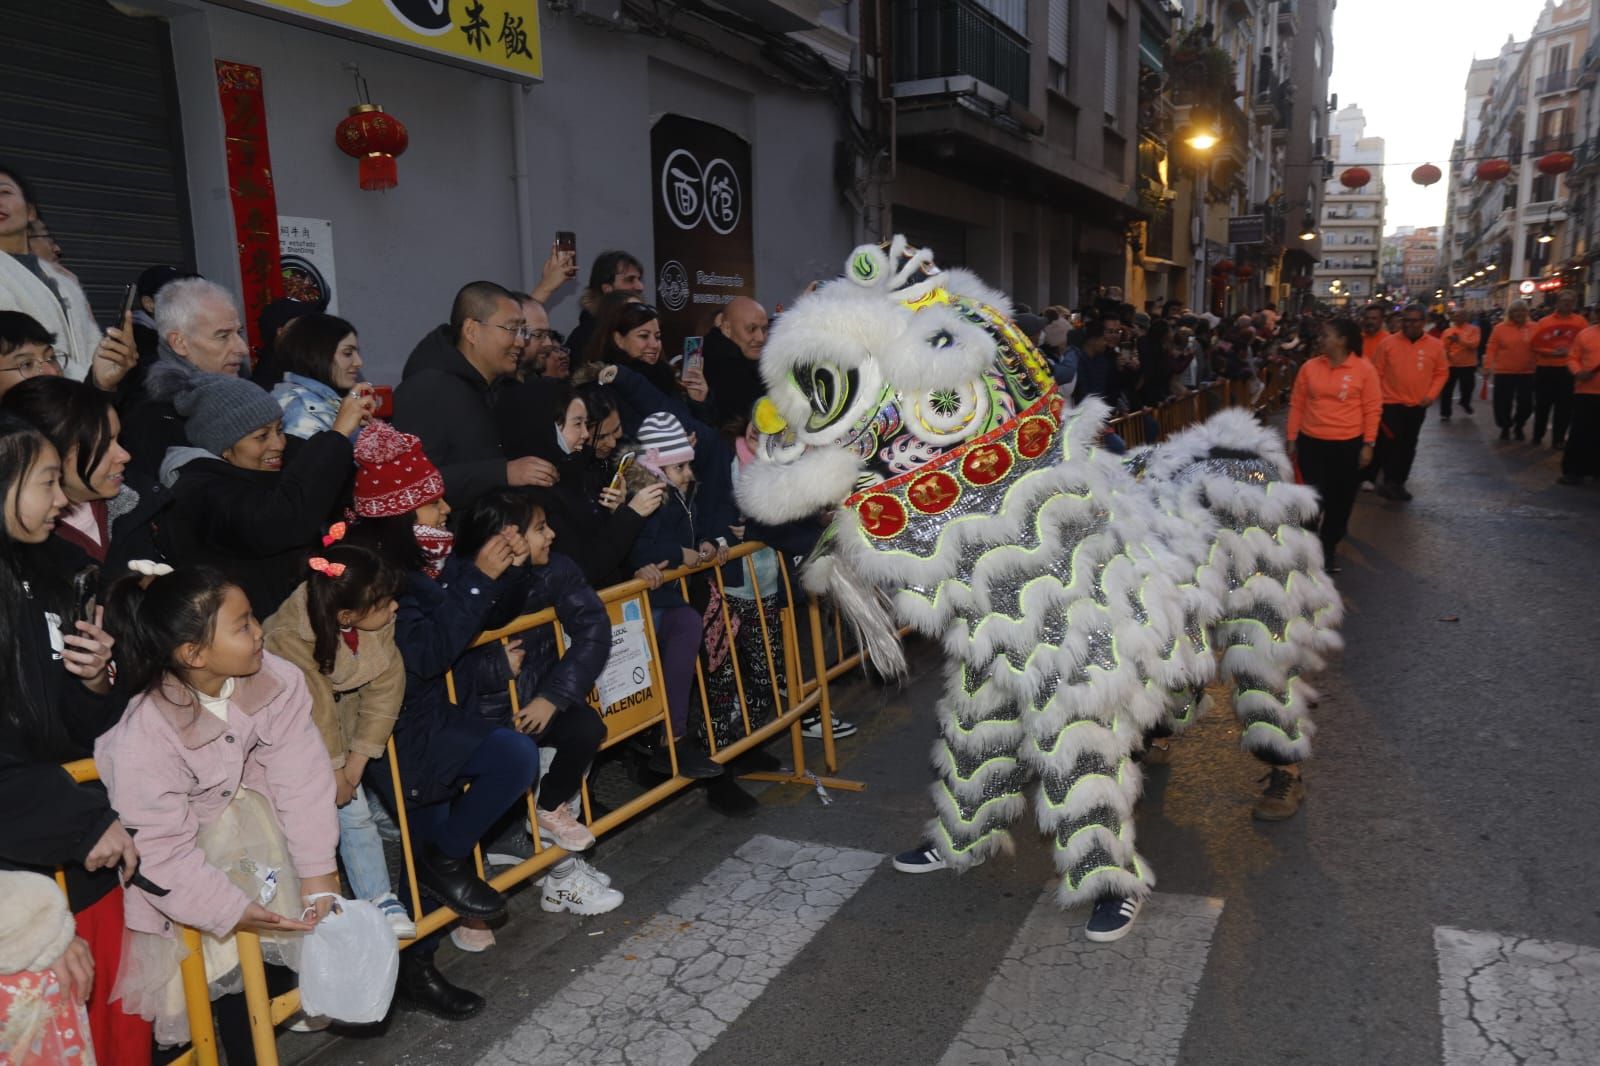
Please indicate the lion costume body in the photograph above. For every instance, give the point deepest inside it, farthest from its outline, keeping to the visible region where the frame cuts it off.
(1081, 597)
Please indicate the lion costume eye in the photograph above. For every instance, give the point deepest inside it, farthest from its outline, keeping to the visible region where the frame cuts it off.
(827, 390)
(950, 413)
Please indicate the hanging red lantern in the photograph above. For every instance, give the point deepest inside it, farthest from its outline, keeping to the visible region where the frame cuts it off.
(1492, 170)
(1355, 177)
(1225, 266)
(1426, 175)
(1556, 163)
(1246, 271)
(374, 138)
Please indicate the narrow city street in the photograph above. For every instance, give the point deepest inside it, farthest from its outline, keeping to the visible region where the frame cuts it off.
(1433, 901)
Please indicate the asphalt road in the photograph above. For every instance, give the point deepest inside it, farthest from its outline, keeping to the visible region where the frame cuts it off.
(1447, 842)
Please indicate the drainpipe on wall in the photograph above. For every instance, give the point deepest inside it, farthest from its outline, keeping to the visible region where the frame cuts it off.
(527, 259)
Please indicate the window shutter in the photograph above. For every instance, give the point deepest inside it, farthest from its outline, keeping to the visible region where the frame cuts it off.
(1060, 16)
(1113, 68)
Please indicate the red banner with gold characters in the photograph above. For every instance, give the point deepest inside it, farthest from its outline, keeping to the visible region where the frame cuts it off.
(250, 189)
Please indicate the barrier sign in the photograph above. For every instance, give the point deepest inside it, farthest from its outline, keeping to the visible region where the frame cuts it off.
(626, 693)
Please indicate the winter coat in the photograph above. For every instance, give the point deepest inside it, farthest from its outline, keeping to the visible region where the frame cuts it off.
(437, 622)
(445, 401)
(59, 306)
(309, 406)
(35, 924)
(172, 766)
(678, 524)
(355, 707)
(258, 526)
(51, 820)
(638, 399)
(735, 381)
(564, 680)
(133, 519)
(151, 423)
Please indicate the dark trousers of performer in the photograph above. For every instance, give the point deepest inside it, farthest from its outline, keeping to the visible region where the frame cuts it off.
(1397, 443)
(1462, 378)
(1512, 390)
(1552, 402)
(1582, 457)
(1333, 468)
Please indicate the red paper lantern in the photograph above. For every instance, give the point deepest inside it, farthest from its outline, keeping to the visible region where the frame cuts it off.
(1225, 266)
(1426, 174)
(1246, 271)
(374, 138)
(1492, 170)
(1355, 177)
(1556, 162)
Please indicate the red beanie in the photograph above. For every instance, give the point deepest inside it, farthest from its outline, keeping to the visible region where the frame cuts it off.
(393, 476)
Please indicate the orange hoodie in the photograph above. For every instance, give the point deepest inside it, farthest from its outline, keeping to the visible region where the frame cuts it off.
(1509, 351)
(1552, 336)
(1336, 403)
(1584, 357)
(1412, 371)
(1461, 345)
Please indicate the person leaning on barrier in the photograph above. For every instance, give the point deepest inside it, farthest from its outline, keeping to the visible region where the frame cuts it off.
(552, 692)
(444, 602)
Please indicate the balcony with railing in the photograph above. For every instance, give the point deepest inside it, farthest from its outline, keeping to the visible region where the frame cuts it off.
(1288, 11)
(1552, 142)
(1558, 81)
(936, 40)
(1589, 66)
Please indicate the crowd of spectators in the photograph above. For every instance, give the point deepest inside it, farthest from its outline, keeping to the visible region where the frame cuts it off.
(233, 584)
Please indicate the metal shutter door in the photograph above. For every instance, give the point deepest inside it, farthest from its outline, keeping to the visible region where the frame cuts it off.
(89, 114)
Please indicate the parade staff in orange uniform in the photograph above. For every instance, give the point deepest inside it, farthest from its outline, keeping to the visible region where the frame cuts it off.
(1552, 381)
(1510, 362)
(1333, 424)
(1461, 352)
(1372, 331)
(1582, 458)
(1412, 369)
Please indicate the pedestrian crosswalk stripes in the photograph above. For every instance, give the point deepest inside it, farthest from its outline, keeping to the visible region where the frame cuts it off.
(1512, 1000)
(1059, 998)
(667, 993)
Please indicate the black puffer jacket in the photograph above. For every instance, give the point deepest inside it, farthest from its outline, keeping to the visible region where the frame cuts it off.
(258, 526)
(564, 680)
(444, 400)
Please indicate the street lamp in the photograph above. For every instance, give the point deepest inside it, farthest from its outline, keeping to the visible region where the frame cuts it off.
(1546, 235)
(1492, 266)
(1308, 228)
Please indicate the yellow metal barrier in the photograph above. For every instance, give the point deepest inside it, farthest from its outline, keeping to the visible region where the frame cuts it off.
(798, 697)
(196, 995)
(1180, 412)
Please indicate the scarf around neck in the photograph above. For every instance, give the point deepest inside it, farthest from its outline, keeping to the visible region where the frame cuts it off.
(436, 545)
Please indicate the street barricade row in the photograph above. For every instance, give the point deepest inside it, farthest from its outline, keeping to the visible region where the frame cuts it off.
(802, 648)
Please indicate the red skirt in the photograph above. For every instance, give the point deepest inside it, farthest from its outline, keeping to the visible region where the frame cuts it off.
(120, 1038)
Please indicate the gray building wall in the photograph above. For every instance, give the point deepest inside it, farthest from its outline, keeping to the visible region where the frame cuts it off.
(401, 254)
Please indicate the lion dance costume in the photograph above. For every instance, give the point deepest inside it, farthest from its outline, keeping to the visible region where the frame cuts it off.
(1079, 596)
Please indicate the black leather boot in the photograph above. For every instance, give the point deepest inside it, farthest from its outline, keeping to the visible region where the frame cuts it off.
(422, 986)
(456, 883)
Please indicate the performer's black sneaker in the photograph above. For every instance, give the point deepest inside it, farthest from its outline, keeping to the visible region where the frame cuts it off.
(922, 859)
(811, 728)
(1112, 918)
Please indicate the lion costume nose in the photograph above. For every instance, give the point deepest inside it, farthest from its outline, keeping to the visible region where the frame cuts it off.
(768, 420)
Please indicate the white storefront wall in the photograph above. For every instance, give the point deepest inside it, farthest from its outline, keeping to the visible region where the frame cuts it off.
(453, 217)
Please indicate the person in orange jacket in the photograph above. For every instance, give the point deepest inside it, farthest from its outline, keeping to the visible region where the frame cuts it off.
(1582, 458)
(1333, 425)
(1509, 361)
(1372, 331)
(1412, 369)
(1461, 352)
(1552, 381)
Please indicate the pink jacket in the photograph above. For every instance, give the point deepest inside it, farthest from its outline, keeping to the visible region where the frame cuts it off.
(172, 767)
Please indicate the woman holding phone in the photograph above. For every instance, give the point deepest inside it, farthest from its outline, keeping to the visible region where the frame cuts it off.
(321, 356)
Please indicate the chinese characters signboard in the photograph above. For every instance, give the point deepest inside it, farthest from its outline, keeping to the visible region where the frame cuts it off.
(704, 239)
(250, 191)
(502, 35)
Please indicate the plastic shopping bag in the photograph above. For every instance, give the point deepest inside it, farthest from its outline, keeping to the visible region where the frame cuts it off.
(349, 963)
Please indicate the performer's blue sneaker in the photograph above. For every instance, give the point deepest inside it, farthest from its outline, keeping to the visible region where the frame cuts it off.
(922, 859)
(1112, 918)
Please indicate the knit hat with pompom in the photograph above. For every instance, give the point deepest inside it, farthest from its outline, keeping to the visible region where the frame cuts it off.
(393, 476)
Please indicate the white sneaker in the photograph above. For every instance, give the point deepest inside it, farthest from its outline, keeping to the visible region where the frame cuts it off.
(566, 830)
(593, 871)
(309, 1023)
(395, 912)
(578, 893)
(1367, 486)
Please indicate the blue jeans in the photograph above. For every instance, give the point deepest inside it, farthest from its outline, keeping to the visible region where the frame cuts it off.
(361, 849)
(502, 770)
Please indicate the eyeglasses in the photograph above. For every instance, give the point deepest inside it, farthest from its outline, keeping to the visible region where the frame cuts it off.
(540, 335)
(521, 332)
(33, 367)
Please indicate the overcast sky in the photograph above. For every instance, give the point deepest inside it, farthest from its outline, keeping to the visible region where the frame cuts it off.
(1405, 62)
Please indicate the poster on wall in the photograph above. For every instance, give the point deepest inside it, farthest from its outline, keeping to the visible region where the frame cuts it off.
(305, 255)
(704, 238)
